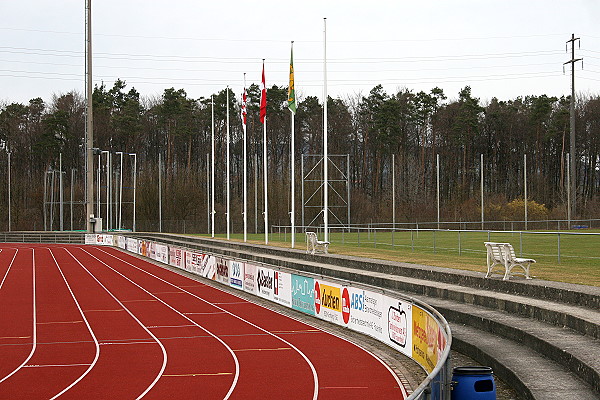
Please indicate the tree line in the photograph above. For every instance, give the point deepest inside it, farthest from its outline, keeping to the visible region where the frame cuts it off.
(404, 131)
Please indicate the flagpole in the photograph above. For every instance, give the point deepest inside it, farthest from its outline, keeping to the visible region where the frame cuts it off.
(227, 179)
(245, 165)
(266, 212)
(212, 168)
(325, 155)
(292, 99)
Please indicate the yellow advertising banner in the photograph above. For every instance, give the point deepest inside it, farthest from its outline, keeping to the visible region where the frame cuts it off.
(428, 340)
(331, 297)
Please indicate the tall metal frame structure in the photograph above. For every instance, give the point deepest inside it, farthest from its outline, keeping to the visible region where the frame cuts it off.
(313, 196)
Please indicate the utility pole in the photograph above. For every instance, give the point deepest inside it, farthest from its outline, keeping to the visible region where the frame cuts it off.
(572, 157)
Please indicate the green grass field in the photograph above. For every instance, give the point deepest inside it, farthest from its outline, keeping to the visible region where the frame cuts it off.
(577, 262)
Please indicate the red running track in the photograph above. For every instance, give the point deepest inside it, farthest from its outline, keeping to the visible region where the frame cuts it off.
(89, 322)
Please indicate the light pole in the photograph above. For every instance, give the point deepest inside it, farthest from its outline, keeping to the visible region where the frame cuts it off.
(107, 219)
(9, 210)
(134, 155)
(120, 153)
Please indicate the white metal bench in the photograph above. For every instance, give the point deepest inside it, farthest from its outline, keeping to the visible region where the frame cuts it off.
(504, 254)
(314, 245)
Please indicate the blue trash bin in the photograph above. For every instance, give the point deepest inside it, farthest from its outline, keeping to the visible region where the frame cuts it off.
(473, 383)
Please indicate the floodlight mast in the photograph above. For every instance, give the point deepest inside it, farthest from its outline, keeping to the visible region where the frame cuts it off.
(89, 198)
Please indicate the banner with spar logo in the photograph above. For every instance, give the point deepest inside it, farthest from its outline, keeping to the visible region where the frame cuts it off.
(265, 278)
(236, 274)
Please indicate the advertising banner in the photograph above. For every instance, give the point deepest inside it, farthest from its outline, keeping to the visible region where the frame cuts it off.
(303, 294)
(193, 261)
(208, 266)
(364, 311)
(236, 274)
(328, 301)
(151, 250)
(121, 242)
(428, 340)
(399, 317)
(264, 282)
(143, 248)
(250, 278)
(132, 245)
(99, 239)
(176, 256)
(222, 271)
(162, 253)
(282, 288)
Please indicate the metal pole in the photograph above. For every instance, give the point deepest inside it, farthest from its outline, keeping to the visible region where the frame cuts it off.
(134, 186)
(98, 212)
(60, 188)
(212, 168)
(525, 186)
(325, 150)
(393, 192)
(106, 218)
(292, 183)
(120, 225)
(89, 125)
(245, 165)
(207, 193)
(52, 201)
(73, 188)
(302, 174)
(256, 195)
(482, 191)
(568, 193)
(9, 195)
(160, 192)
(45, 200)
(438, 189)
(227, 165)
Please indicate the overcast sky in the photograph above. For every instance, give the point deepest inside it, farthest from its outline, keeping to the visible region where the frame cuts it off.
(501, 48)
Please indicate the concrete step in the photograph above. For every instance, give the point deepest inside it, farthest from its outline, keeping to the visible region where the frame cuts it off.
(530, 373)
(578, 354)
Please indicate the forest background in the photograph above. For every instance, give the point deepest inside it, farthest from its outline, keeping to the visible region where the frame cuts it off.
(413, 128)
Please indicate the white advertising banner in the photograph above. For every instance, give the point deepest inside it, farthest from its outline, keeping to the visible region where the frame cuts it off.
(250, 278)
(193, 261)
(161, 252)
(399, 321)
(236, 274)
(364, 311)
(176, 257)
(121, 242)
(208, 266)
(132, 245)
(282, 288)
(264, 282)
(222, 271)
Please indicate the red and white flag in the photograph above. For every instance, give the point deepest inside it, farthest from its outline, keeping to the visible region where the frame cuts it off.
(263, 97)
(243, 108)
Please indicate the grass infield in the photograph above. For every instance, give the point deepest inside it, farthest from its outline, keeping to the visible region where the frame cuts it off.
(578, 260)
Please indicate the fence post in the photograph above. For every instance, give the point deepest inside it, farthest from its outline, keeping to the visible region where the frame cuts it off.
(558, 247)
(412, 241)
(521, 243)
(375, 237)
(434, 249)
(459, 247)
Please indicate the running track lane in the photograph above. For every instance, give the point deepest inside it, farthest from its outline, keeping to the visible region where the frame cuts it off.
(344, 370)
(16, 309)
(65, 348)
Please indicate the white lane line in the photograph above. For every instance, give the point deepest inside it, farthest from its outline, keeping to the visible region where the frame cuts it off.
(164, 352)
(9, 267)
(34, 334)
(87, 324)
(310, 364)
(54, 365)
(235, 359)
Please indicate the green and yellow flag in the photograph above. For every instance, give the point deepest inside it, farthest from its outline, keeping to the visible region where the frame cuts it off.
(291, 90)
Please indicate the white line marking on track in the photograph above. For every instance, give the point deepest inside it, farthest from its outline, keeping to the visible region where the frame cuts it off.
(34, 310)
(237, 365)
(310, 364)
(9, 267)
(164, 352)
(87, 324)
(55, 365)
